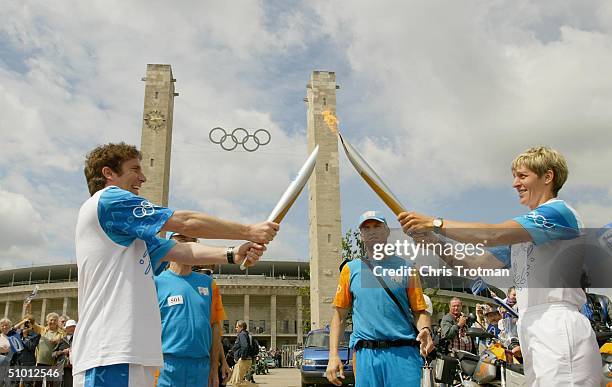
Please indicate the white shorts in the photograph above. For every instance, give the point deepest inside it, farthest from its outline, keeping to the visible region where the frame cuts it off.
(116, 375)
(559, 347)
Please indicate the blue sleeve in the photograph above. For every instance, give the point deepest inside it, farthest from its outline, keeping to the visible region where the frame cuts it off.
(550, 221)
(502, 253)
(158, 248)
(125, 216)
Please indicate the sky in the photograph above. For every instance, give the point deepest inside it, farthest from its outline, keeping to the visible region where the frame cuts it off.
(438, 96)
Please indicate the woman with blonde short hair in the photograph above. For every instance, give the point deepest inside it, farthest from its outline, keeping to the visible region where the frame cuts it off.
(557, 342)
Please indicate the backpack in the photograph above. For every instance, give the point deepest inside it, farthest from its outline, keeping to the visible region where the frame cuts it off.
(253, 349)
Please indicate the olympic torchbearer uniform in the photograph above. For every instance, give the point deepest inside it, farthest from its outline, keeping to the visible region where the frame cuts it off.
(189, 305)
(117, 341)
(377, 318)
(557, 342)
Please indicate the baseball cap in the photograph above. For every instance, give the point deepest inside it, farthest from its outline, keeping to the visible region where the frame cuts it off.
(372, 215)
(70, 323)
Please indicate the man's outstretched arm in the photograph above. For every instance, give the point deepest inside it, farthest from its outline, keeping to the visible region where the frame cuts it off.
(435, 244)
(201, 225)
(198, 254)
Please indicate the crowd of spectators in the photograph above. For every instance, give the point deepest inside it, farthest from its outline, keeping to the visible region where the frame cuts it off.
(29, 344)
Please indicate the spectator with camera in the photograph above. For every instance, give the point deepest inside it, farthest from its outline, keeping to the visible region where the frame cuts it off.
(454, 327)
(30, 339)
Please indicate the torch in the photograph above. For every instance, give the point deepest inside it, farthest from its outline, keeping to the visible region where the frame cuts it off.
(364, 169)
(292, 192)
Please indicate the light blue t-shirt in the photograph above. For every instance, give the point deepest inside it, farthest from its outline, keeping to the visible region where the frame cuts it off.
(375, 314)
(185, 303)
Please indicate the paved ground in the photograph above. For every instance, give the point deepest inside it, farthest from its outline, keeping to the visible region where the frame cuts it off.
(281, 377)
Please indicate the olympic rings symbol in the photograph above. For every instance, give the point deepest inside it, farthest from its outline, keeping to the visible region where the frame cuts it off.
(239, 136)
(145, 209)
(540, 220)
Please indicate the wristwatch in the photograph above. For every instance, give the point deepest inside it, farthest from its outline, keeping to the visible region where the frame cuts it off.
(438, 223)
(429, 329)
(230, 254)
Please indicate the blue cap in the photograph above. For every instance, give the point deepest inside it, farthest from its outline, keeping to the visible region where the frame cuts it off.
(372, 215)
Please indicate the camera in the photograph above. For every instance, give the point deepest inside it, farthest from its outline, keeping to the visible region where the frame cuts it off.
(470, 319)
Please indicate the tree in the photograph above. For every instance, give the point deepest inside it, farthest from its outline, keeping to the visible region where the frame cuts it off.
(352, 245)
(304, 291)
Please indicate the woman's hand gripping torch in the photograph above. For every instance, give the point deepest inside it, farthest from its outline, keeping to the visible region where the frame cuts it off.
(292, 192)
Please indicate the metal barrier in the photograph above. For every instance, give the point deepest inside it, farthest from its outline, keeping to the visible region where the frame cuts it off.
(288, 358)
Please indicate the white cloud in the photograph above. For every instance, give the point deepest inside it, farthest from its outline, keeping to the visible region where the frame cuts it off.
(595, 214)
(71, 83)
(438, 96)
(453, 96)
(21, 230)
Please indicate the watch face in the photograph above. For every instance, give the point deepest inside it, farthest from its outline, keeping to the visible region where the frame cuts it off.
(437, 222)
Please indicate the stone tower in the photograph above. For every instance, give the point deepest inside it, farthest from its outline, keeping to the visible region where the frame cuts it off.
(325, 231)
(156, 141)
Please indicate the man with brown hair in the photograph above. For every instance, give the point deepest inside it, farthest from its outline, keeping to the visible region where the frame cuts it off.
(118, 337)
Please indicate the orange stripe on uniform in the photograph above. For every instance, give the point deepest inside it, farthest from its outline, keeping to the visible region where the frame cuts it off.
(343, 298)
(415, 294)
(217, 312)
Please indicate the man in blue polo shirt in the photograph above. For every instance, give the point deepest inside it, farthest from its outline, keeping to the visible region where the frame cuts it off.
(387, 346)
(191, 314)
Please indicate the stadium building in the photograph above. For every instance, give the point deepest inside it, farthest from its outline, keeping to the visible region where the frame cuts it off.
(272, 296)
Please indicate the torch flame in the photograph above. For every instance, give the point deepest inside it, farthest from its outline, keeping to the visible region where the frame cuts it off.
(331, 121)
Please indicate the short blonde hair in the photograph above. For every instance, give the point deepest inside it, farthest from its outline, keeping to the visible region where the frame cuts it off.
(541, 159)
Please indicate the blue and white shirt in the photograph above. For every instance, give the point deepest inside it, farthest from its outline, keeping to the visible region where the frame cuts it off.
(538, 266)
(117, 253)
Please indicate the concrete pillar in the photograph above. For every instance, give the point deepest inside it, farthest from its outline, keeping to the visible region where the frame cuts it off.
(300, 323)
(273, 321)
(325, 234)
(247, 312)
(7, 309)
(66, 305)
(156, 140)
(43, 312)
